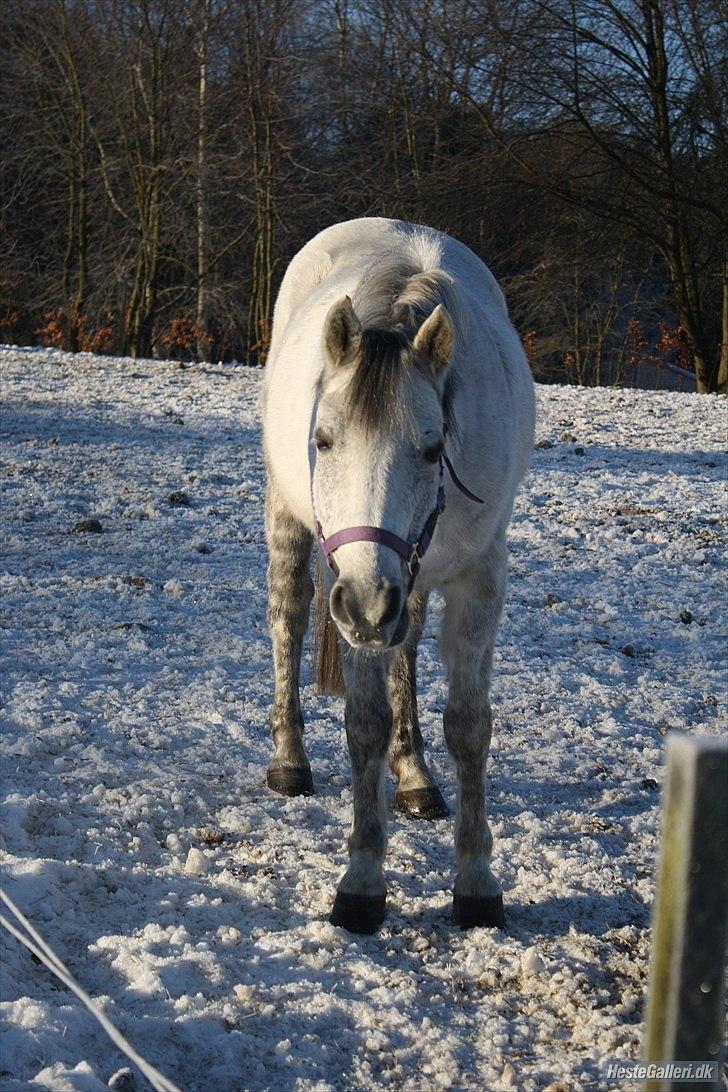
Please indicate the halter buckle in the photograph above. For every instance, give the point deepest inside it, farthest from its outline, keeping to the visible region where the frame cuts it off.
(413, 561)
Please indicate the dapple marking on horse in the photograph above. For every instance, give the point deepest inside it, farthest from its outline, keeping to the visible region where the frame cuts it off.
(398, 415)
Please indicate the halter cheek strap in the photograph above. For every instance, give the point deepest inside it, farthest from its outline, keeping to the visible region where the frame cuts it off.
(410, 552)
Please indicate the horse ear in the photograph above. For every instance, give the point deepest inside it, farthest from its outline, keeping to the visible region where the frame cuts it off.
(436, 338)
(342, 332)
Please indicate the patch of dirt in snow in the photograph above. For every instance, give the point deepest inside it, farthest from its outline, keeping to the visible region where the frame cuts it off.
(137, 685)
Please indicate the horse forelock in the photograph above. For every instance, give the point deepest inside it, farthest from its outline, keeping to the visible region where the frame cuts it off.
(393, 300)
(373, 393)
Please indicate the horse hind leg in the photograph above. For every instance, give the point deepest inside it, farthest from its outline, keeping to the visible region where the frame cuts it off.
(417, 791)
(290, 589)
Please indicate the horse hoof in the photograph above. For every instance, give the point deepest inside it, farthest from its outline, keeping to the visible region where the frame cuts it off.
(291, 780)
(467, 912)
(427, 803)
(358, 913)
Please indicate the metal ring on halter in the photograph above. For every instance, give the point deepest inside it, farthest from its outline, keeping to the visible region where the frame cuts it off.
(413, 561)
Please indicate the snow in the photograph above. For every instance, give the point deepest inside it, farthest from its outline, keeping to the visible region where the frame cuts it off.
(139, 835)
(197, 863)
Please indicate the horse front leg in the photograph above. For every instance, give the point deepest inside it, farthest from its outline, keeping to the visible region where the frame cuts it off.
(472, 611)
(290, 589)
(361, 895)
(417, 791)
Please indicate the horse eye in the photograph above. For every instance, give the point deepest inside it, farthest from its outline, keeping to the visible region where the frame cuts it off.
(433, 453)
(323, 443)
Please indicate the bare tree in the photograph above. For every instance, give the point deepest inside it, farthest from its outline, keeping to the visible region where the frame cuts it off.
(167, 157)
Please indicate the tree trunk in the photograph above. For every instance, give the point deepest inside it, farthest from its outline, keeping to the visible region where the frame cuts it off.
(132, 318)
(685, 288)
(576, 324)
(259, 313)
(68, 261)
(201, 189)
(149, 309)
(261, 93)
(82, 220)
(679, 250)
(722, 383)
(75, 258)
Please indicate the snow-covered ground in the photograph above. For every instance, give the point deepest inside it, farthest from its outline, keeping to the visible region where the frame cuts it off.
(136, 688)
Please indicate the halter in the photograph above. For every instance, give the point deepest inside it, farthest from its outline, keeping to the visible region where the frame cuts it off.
(410, 552)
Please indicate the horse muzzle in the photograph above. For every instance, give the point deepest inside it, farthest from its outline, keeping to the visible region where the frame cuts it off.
(374, 618)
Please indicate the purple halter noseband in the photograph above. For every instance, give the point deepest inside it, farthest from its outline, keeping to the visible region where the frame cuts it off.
(410, 552)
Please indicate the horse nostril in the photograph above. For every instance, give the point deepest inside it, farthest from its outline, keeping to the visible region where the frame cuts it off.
(337, 602)
(344, 605)
(392, 607)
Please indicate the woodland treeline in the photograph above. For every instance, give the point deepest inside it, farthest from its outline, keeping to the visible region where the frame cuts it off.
(162, 160)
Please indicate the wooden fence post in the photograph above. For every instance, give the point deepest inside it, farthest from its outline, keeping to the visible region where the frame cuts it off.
(690, 918)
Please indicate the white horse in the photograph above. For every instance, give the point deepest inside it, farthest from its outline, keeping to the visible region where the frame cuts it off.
(398, 413)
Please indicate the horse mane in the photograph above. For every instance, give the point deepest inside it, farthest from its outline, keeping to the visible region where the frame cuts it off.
(392, 300)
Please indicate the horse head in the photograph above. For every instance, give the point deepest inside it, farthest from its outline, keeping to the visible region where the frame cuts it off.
(378, 439)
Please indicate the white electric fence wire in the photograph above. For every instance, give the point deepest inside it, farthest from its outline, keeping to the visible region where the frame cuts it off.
(45, 954)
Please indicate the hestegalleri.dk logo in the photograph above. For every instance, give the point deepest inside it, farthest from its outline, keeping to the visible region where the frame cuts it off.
(660, 1071)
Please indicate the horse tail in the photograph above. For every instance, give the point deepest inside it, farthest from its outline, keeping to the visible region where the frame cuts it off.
(327, 655)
